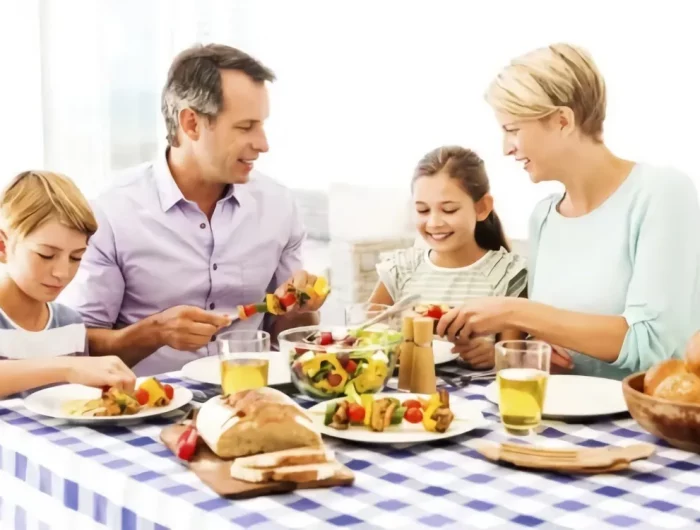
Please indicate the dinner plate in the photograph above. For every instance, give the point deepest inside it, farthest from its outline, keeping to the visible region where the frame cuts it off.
(467, 418)
(208, 370)
(48, 402)
(576, 396)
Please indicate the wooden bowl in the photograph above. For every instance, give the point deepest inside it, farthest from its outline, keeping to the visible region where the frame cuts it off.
(677, 423)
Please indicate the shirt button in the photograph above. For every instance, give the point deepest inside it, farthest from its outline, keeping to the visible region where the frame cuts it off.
(202, 226)
(212, 305)
(215, 266)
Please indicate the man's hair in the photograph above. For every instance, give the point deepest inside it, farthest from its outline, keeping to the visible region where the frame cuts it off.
(36, 197)
(194, 81)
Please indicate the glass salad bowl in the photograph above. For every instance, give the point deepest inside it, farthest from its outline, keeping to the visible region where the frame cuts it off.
(328, 363)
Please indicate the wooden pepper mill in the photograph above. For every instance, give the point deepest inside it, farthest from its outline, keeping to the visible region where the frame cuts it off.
(406, 355)
(423, 370)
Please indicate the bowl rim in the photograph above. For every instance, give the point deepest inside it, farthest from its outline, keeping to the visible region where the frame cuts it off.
(628, 388)
(316, 348)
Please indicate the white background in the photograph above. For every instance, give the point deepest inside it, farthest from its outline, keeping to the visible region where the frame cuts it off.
(365, 87)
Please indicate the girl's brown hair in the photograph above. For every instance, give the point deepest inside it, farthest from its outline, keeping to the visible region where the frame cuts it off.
(468, 168)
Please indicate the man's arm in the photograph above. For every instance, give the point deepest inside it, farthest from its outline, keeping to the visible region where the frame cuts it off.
(97, 293)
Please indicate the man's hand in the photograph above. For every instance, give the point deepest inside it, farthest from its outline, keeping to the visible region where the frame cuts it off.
(303, 281)
(188, 328)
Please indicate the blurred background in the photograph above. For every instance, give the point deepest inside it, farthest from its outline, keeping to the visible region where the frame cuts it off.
(364, 89)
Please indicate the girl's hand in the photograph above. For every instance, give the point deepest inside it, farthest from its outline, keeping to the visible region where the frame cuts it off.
(99, 372)
(478, 353)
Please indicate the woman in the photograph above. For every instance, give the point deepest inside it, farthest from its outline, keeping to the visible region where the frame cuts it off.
(614, 262)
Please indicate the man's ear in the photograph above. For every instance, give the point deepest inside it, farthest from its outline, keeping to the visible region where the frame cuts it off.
(190, 123)
(483, 207)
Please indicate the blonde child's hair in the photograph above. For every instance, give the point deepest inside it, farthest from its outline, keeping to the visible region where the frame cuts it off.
(536, 84)
(36, 197)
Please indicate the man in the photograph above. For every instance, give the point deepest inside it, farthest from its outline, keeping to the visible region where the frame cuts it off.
(185, 239)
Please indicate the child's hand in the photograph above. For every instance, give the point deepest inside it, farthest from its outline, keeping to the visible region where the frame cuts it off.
(478, 353)
(99, 372)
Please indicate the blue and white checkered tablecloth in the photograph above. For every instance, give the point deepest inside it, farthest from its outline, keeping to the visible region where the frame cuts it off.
(55, 476)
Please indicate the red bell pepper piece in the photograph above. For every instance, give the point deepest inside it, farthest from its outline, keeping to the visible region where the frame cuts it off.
(187, 443)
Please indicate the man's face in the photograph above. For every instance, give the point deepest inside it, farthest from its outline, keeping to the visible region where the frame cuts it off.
(228, 146)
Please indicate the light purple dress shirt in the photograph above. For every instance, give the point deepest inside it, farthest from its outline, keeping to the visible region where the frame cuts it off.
(154, 250)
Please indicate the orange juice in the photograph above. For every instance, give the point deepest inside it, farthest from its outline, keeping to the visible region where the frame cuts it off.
(243, 374)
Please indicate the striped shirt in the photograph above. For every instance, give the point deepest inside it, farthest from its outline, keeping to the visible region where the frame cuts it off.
(410, 271)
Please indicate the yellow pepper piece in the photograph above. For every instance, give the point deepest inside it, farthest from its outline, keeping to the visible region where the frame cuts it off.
(433, 404)
(156, 393)
(273, 304)
(312, 366)
(367, 403)
(321, 286)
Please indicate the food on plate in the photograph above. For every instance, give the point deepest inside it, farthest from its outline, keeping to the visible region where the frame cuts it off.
(117, 402)
(279, 305)
(434, 311)
(675, 379)
(324, 363)
(256, 421)
(379, 414)
(292, 465)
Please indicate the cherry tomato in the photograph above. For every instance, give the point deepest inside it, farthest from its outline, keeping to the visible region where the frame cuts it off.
(356, 413)
(249, 310)
(334, 379)
(169, 391)
(351, 366)
(434, 312)
(413, 415)
(141, 396)
(105, 389)
(411, 404)
(326, 338)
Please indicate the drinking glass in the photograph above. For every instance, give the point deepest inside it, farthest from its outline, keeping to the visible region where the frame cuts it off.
(244, 358)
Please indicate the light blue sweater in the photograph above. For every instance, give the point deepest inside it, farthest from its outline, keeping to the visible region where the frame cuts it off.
(637, 255)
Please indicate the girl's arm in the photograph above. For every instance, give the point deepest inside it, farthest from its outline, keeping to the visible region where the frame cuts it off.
(381, 295)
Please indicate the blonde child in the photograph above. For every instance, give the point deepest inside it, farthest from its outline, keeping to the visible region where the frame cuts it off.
(45, 226)
(468, 254)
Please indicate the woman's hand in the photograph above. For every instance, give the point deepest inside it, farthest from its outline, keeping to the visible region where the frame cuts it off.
(478, 316)
(477, 353)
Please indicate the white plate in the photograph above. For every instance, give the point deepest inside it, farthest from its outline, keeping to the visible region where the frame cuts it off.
(48, 402)
(208, 370)
(576, 396)
(467, 418)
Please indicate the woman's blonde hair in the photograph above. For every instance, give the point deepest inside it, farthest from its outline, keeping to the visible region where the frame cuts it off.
(35, 197)
(536, 84)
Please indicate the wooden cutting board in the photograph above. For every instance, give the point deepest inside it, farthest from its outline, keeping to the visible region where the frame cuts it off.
(215, 472)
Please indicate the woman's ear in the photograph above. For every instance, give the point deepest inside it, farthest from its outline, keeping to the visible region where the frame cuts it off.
(3, 247)
(483, 207)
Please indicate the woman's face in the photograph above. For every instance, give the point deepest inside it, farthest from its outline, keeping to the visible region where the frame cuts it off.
(539, 144)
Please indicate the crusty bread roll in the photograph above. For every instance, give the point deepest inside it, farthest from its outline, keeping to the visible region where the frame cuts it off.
(692, 355)
(657, 374)
(255, 421)
(682, 387)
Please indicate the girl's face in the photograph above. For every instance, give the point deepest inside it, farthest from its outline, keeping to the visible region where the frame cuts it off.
(45, 261)
(445, 214)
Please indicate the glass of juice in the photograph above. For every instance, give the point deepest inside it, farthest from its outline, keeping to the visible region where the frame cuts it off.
(522, 369)
(244, 357)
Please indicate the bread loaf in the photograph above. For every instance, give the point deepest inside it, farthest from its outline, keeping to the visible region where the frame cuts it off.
(675, 379)
(256, 421)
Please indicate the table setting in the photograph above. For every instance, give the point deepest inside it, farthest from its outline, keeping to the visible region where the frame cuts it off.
(365, 425)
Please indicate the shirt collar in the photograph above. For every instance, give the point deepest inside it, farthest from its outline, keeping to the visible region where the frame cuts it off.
(169, 193)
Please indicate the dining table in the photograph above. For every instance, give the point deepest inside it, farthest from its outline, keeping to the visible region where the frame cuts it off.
(56, 475)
